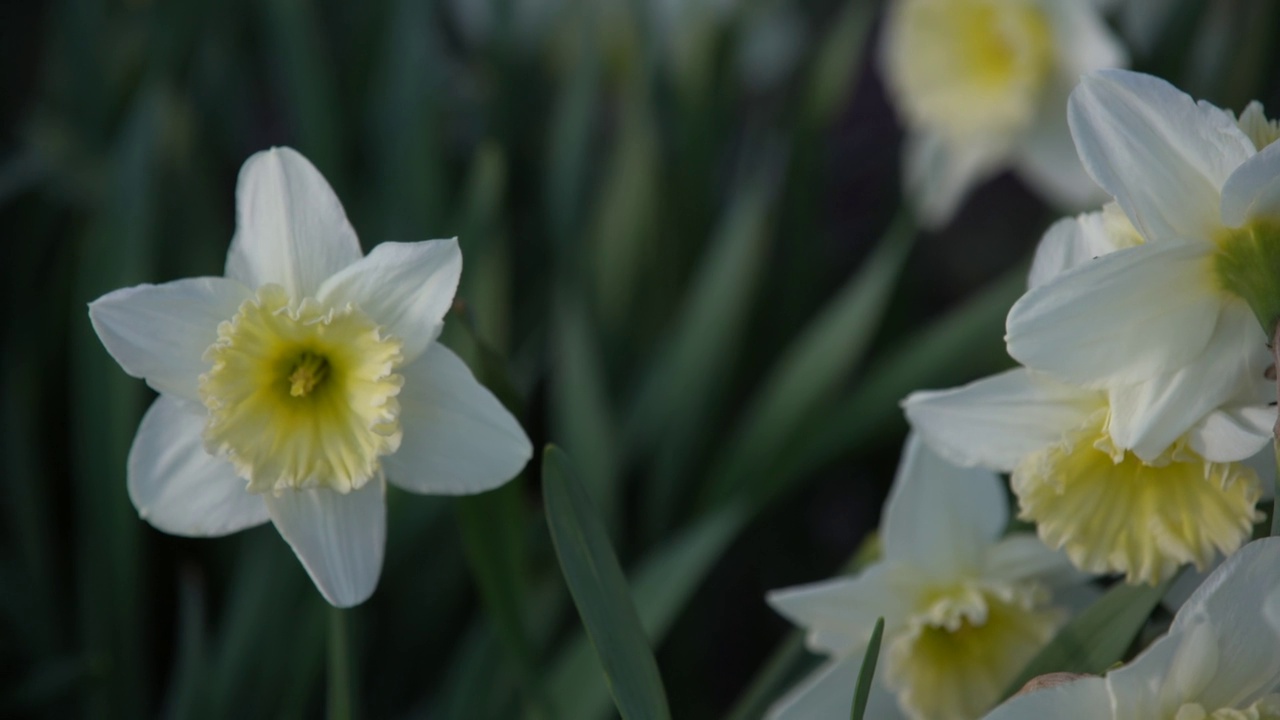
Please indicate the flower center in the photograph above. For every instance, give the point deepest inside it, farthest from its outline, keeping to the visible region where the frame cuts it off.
(300, 395)
(1114, 513)
(1245, 264)
(967, 66)
(1268, 708)
(956, 658)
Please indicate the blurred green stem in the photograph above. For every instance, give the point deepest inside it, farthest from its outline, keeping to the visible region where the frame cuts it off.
(339, 666)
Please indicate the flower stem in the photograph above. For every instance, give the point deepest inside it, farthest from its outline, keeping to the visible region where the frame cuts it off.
(1275, 372)
(339, 707)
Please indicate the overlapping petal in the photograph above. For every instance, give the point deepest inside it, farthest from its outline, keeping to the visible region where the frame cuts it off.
(338, 537)
(458, 438)
(1164, 157)
(940, 518)
(160, 332)
(291, 229)
(997, 421)
(408, 287)
(1125, 317)
(1253, 190)
(179, 488)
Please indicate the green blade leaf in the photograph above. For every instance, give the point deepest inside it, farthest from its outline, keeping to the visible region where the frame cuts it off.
(600, 592)
(867, 672)
(813, 368)
(1098, 637)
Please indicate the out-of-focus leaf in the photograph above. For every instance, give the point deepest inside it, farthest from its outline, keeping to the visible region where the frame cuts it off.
(117, 251)
(625, 214)
(839, 61)
(867, 672)
(185, 697)
(485, 286)
(1097, 638)
(306, 81)
(406, 127)
(42, 683)
(958, 346)
(492, 527)
(572, 129)
(601, 593)
(581, 414)
(662, 585)
(812, 369)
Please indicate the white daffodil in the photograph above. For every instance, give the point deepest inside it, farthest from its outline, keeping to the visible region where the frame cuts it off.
(1217, 662)
(1203, 191)
(981, 86)
(1110, 510)
(964, 609)
(294, 387)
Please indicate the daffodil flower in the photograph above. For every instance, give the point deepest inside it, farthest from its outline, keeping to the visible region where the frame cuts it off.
(1200, 188)
(964, 609)
(980, 86)
(1217, 662)
(294, 387)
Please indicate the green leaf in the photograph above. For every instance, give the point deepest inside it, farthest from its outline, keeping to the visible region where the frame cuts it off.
(601, 594)
(867, 672)
(1097, 638)
(812, 369)
(663, 583)
(839, 61)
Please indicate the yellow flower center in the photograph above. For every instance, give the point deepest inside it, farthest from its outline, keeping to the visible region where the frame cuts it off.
(956, 658)
(1114, 513)
(300, 395)
(960, 67)
(1268, 708)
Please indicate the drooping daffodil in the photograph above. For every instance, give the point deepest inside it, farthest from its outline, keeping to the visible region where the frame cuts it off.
(964, 608)
(1217, 662)
(1137, 477)
(294, 387)
(981, 86)
(1202, 189)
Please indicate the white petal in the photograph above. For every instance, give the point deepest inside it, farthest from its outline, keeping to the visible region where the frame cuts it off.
(1235, 433)
(1149, 416)
(160, 332)
(1240, 663)
(839, 614)
(1023, 556)
(997, 421)
(1124, 317)
(939, 174)
(458, 438)
(827, 694)
(1071, 242)
(1083, 40)
(290, 227)
(339, 538)
(406, 287)
(1081, 699)
(1159, 153)
(1253, 190)
(940, 519)
(179, 488)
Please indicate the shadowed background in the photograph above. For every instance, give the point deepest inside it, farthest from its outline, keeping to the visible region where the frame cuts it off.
(683, 263)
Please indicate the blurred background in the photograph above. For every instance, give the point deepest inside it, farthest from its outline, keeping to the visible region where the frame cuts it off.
(685, 264)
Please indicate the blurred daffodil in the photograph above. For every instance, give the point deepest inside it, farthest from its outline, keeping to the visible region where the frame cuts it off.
(1217, 662)
(294, 387)
(981, 86)
(1199, 187)
(1136, 477)
(964, 609)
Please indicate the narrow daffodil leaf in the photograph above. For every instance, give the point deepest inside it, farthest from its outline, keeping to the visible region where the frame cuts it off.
(600, 592)
(867, 673)
(1098, 637)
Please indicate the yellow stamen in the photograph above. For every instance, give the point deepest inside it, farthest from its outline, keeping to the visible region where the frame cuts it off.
(309, 372)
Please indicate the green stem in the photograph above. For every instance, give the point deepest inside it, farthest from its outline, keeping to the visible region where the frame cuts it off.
(339, 667)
